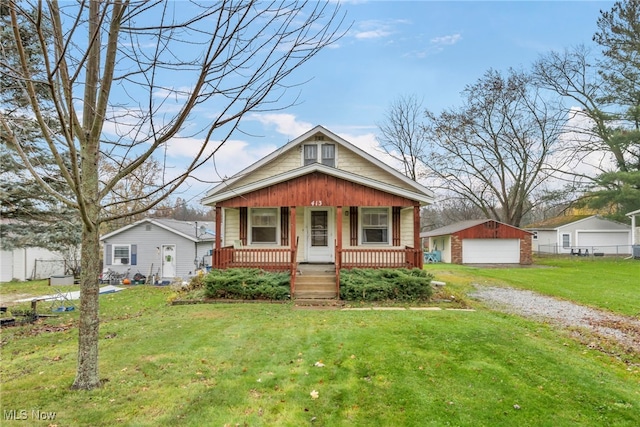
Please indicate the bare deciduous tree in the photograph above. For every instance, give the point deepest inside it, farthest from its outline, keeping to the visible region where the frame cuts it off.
(125, 79)
(403, 135)
(493, 151)
(602, 96)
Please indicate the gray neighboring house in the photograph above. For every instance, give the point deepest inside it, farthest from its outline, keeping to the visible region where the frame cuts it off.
(564, 234)
(164, 248)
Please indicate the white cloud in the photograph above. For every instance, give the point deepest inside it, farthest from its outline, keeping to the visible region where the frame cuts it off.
(446, 40)
(436, 45)
(176, 94)
(374, 29)
(372, 34)
(285, 124)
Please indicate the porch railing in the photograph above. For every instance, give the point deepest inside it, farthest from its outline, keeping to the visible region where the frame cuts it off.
(379, 258)
(265, 259)
(376, 258)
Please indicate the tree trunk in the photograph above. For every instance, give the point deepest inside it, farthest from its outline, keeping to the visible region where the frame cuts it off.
(87, 376)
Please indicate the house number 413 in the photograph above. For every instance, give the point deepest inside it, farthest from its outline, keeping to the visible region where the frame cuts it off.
(316, 203)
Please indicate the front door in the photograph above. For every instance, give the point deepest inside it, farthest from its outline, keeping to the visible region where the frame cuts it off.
(319, 235)
(169, 261)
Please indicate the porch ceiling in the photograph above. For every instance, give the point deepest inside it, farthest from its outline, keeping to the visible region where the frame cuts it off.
(317, 189)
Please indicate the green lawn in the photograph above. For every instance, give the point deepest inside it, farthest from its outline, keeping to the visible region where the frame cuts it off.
(609, 283)
(254, 364)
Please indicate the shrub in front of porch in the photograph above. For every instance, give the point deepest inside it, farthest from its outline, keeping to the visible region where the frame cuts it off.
(247, 283)
(400, 284)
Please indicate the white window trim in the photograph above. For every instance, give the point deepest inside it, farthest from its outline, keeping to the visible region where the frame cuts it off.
(250, 227)
(319, 145)
(562, 240)
(361, 226)
(116, 261)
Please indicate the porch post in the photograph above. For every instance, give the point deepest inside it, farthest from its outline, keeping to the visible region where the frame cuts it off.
(293, 243)
(292, 228)
(338, 249)
(416, 236)
(218, 243)
(338, 233)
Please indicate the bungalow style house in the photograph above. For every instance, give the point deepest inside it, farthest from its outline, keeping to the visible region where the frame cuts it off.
(318, 200)
(580, 234)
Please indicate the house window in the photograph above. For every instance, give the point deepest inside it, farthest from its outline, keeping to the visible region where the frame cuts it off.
(375, 225)
(329, 155)
(264, 224)
(121, 254)
(566, 241)
(310, 154)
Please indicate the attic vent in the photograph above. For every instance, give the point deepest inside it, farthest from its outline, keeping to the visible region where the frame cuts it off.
(491, 225)
(319, 137)
(147, 227)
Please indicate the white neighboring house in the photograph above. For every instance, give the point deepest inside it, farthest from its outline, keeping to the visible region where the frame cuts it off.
(160, 247)
(635, 227)
(30, 263)
(635, 232)
(565, 234)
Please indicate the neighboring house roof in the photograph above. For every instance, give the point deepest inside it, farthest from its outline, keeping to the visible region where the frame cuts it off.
(223, 191)
(452, 228)
(556, 222)
(462, 225)
(186, 229)
(636, 212)
(561, 221)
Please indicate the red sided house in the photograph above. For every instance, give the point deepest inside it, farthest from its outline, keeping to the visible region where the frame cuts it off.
(318, 200)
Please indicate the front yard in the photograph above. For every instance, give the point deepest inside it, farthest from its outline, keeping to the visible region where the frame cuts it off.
(273, 364)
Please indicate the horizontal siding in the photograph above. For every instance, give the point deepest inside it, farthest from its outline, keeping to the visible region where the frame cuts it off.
(406, 227)
(352, 162)
(347, 160)
(281, 164)
(149, 238)
(231, 230)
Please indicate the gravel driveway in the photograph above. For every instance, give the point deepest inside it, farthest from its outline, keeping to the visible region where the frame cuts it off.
(624, 330)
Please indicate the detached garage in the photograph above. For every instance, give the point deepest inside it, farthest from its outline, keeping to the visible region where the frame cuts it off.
(483, 241)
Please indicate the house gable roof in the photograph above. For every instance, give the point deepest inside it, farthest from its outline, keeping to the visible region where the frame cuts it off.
(419, 192)
(465, 225)
(186, 229)
(556, 223)
(318, 167)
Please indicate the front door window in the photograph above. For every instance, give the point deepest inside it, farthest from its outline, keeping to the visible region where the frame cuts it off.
(319, 228)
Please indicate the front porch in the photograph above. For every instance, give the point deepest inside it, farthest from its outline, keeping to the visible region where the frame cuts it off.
(286, 260)
(318, 217)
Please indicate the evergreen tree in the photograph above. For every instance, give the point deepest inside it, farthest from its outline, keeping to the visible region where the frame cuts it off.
(30, 216)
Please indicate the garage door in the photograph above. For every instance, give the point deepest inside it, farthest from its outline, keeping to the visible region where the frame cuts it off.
(487, 251)
(608, 242)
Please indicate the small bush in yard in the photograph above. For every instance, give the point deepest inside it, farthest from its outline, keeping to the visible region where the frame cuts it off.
(400, 284)
(247, 283)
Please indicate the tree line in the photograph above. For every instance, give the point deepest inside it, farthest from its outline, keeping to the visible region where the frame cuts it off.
(526, 143)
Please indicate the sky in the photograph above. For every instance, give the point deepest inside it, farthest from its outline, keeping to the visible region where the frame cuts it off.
(429, 49)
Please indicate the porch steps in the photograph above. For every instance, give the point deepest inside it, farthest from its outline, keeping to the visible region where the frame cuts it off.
(315, 284)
